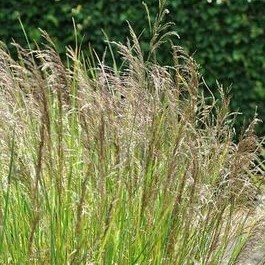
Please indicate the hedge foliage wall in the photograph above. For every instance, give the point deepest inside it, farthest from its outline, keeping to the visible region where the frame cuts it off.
(227, 37)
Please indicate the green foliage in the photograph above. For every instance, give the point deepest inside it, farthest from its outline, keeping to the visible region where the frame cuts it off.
(122, 166)
(226, 37)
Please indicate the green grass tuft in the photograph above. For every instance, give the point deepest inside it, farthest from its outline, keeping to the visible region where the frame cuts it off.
(121, 166)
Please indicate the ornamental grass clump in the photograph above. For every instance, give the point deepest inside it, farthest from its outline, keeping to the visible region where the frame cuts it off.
(129, 165)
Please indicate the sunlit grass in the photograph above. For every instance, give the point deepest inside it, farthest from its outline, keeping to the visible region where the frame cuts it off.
(129, 166)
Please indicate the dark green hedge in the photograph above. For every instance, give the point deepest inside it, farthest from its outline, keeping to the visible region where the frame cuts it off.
(227, 39)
